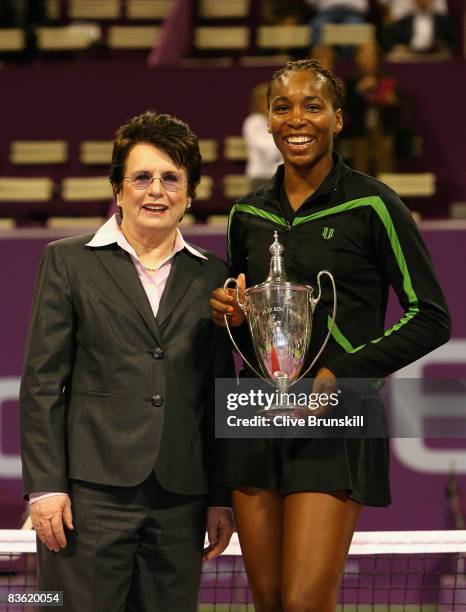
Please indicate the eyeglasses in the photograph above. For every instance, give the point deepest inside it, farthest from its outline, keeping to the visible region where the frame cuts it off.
(169, 180)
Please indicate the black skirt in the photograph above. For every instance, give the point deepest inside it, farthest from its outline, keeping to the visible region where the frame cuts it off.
(290, 465)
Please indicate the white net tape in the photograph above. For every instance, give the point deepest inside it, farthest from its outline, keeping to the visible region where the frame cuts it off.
(415, 571)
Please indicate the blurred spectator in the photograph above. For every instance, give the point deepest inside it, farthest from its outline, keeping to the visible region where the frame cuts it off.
(26, 14)
(397, 9)
(373, 113)
(283, 12)
(263, 155)
(325, 54)
(21, 13)
(7, 15)
(336, 11)
(423, 30)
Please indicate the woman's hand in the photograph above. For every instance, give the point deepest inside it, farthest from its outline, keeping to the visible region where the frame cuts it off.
(224, 303)
(326, 383)
(366, 83)
(219, 531)
(49, 516)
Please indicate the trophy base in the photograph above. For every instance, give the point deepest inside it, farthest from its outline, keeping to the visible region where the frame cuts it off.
(285, 410)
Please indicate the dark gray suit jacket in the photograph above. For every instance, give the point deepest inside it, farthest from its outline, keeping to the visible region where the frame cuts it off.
(109, 393)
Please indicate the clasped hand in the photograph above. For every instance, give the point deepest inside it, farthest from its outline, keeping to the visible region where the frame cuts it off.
(223, 302)
(325, 383)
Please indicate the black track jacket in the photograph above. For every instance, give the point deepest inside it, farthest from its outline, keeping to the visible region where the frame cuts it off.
(357, 228)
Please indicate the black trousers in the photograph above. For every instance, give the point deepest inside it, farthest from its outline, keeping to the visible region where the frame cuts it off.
(133, 549)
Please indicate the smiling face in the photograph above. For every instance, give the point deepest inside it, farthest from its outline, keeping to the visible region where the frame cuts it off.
(302, 118)
(153, 210)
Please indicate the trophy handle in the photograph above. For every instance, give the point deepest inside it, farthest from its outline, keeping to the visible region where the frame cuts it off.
(243, 305)
(314, 303)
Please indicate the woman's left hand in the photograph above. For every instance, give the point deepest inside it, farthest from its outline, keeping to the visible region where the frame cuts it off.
(219, 531)
(326, 383)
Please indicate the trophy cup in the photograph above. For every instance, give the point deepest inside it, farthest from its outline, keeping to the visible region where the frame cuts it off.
(279, 315)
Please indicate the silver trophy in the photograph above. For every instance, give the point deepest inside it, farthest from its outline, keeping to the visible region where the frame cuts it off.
(279, 315)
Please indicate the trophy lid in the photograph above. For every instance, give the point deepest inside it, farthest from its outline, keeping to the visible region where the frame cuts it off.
(277, 275)
(277, 272)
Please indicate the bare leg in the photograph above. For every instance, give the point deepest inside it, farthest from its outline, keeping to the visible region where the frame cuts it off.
(259, 515)
(317, 533)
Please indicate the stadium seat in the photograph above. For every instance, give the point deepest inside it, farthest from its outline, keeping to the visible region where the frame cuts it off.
(235, 148)
(38, 152)
(12, 39)
(400, 55)
(96, 152)
(26, 189)
(208, 149)
(223, 9)
(83, 189)
(75, 222)
(133, 37)
(7, 223)
(410, 185)
(217, 220)
(236, 185)
(204, 190)
(277, 59)
(148, 9)
(218, 38)
(90, 9)
(68, 38)
(283, 36)
(348, 33)
(457, 210)
(187, 219)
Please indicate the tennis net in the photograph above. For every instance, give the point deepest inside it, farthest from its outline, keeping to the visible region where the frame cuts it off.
(385, 571)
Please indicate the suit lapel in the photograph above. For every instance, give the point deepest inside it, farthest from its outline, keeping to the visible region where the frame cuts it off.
(120, 267)
(184, 270)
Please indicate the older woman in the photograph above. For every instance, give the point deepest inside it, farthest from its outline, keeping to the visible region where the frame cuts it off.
(297, 501)
(117, 391)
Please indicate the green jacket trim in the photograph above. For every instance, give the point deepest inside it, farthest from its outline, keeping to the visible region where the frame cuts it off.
(339, 337)
(379, 206)
(257, 212)
(381, 210)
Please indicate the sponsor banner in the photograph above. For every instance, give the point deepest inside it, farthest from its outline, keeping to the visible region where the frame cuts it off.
(420, 467)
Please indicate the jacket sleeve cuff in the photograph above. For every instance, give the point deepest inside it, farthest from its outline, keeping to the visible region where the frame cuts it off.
(340, 367)
(34, 497)
(219, 496)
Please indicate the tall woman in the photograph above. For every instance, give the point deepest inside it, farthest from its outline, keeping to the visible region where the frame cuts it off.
(297, 501)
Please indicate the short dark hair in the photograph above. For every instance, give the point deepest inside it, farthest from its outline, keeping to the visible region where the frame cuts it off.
(164, 132)
(316, 67)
